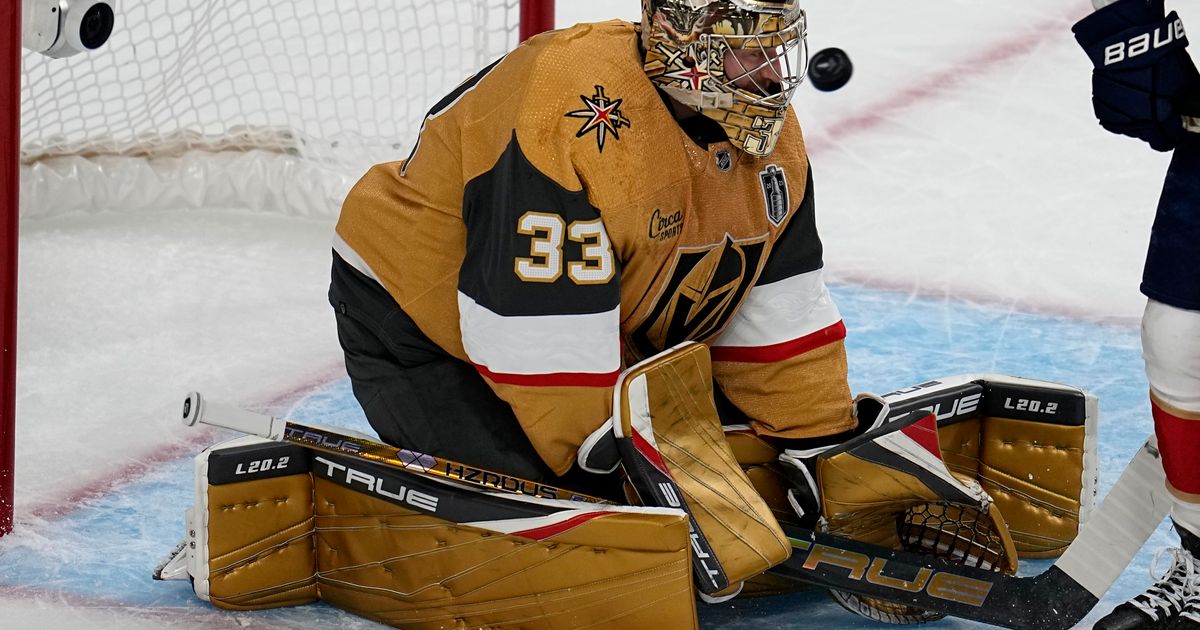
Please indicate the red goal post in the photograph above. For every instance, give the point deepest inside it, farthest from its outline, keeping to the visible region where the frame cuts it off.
(10, 133)
(294, 70)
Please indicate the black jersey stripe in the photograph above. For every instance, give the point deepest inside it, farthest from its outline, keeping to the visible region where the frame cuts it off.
(798, 250)
(493, 205)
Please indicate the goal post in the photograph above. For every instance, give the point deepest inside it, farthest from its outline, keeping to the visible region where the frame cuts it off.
(224, 103)
(537, 16)
(10, 130)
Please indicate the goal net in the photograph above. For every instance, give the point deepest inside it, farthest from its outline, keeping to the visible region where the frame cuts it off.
(228, 103)
(224, 104)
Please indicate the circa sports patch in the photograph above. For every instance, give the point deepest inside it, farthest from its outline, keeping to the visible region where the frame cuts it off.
(603, 116)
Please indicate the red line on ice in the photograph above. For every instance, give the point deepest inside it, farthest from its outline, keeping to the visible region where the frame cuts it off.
(930, 88)
(211, 618)
(939, 84)
(141, 464)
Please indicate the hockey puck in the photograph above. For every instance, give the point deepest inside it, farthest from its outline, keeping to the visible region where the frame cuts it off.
(830, 69)
(191, 409)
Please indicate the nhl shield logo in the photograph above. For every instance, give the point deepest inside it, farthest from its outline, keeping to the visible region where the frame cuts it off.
(724, 161)
(775, 194)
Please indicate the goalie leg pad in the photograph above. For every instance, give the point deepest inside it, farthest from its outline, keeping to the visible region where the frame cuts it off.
(676, 454)
(278, 525)
(624, 568)
(251, 534)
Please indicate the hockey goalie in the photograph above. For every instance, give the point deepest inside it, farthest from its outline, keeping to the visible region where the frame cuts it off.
(588, 314)
(416, 541)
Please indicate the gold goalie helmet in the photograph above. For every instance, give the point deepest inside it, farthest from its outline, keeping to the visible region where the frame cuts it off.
(736, 61)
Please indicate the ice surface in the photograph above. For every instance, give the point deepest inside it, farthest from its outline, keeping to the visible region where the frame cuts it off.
(975, 219)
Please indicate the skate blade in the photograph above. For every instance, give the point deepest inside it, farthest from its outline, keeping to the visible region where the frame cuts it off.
(174, 566)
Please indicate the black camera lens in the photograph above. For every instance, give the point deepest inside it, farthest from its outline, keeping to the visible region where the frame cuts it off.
(96, 26)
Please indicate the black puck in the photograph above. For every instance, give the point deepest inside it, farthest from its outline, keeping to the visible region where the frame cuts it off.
(830, 69)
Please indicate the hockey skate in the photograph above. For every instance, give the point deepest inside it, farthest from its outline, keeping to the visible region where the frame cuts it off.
(1173, 602)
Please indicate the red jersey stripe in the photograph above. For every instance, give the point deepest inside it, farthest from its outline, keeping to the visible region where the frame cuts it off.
(550, 380)
(781, 351)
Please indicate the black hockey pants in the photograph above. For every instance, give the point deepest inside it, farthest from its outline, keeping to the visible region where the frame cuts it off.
(417, 396)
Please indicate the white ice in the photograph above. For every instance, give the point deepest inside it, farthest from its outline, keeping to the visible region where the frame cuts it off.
(962, 161)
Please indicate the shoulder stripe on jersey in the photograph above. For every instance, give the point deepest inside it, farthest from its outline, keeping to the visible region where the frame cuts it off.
(781, 351)
(448, 101)
(781, 312)
(547, 349)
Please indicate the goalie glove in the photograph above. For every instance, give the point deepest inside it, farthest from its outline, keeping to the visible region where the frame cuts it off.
(1142, 74)
(889, 486)
(798, 459)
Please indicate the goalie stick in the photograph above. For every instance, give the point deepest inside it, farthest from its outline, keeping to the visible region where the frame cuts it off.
(1055, 599)
(197, 410)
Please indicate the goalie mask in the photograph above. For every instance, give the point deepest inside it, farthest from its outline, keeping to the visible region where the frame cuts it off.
(737, 62)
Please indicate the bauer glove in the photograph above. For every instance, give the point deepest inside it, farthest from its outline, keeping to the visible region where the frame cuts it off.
(1142, 70)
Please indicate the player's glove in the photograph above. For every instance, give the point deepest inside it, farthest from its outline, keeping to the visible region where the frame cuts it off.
(1142, 70)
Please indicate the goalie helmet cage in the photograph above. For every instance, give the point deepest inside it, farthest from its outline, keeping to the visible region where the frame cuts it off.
(197, 103)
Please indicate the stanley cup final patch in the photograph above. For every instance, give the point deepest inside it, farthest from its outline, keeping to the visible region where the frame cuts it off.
(775, 194)
(602, 116)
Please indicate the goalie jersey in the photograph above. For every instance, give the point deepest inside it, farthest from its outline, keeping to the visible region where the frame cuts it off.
(554, 224)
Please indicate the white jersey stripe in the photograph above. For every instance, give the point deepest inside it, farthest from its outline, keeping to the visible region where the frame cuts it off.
(544, 344)
(782, 311)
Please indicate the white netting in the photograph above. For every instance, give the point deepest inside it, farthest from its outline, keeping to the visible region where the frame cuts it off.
(228, 102)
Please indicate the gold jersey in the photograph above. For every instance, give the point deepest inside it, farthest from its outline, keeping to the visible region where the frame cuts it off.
(554, 224)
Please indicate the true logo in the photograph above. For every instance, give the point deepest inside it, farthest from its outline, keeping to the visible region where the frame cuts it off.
(388, 489)
(603, 116)
(415, 460)
(775, 194)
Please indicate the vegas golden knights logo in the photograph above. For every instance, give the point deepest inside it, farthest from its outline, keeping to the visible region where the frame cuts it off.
(704, 290)
(603, 116)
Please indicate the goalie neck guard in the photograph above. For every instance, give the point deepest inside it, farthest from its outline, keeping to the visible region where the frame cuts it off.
(738, 62)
